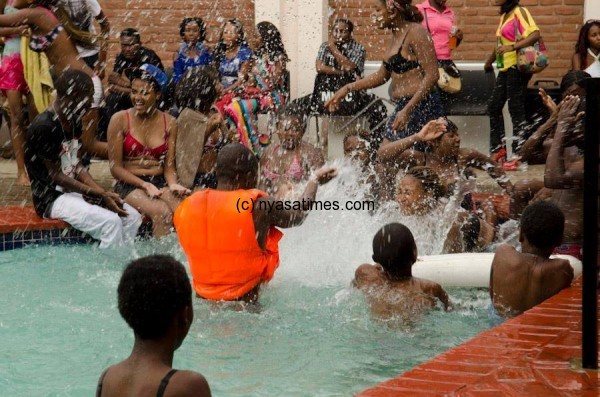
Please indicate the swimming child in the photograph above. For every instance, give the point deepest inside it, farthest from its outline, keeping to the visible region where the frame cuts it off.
(155, 299)
(521, 280)
(388, 285)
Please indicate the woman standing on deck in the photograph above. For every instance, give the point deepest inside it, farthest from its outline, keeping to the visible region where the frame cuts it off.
(410, 62)
(587, 49)
(511, 84)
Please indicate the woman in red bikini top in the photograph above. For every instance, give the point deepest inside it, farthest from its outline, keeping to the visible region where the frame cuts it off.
(138, 139)
(292, 160)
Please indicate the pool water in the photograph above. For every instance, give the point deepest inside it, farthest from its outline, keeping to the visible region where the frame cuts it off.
(312, 336)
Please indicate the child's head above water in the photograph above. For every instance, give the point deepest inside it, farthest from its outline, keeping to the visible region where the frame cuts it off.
(356, 146)
(395, 250)
(419, 190)
(155, 295)
(237, 165)
(542, 225)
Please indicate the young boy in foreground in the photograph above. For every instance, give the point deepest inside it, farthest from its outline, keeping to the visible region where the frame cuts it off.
(522, 280)
(390, 288)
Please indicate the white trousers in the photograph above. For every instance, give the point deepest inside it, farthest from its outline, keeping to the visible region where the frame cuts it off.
(98, 92)
(100, 223)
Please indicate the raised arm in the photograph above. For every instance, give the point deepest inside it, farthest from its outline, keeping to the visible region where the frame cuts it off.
(393, 150)
(556, 175)
(374, 80)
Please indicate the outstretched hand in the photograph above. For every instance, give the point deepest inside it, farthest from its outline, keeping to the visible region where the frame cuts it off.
(325, 174)
(548, 101)
(432, 130)
(334, 102)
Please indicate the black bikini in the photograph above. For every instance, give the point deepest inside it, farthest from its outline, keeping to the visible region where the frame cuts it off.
(161, 389)
(398, 64)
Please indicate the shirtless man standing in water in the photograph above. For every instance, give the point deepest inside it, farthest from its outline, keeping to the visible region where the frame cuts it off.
(390, 288)
(564, 173)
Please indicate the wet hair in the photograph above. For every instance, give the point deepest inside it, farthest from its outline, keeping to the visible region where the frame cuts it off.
(293, 110)
(197, 89)
(408, 11)
(543, 224)
(429, 179)
(508, 6)
(220, 48)
(138, 74)
(73, 83)
(583, 42)
(394, 249)
(347, 22)
(272, 43)
(152, 291)
(573, 77)
(131, 32)
(197, 21)
(450, 126)
(236, 162)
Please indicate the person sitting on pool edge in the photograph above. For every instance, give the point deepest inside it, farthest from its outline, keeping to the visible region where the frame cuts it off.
(241, 250)
(155, 299)
(522, 280)
(389, 285)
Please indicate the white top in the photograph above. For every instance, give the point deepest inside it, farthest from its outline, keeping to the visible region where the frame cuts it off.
(82, 13)
(594, 69)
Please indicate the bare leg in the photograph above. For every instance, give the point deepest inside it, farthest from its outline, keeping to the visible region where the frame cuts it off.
(156, 209)
(17, 130)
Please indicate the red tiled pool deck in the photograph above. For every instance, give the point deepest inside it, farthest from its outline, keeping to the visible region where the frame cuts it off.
(24, 218)
(535, 354)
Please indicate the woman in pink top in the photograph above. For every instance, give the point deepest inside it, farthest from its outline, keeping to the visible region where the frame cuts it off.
(292, 160)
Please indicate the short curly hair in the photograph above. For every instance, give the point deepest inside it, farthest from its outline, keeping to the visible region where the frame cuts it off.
(152, 291)
(543, 224)
(197, 21)
(197, 89)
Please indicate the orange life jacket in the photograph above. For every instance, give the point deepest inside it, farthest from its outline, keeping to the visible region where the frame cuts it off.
(219, 239)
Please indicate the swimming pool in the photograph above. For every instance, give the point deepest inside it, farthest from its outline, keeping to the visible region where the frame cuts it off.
(313, 336)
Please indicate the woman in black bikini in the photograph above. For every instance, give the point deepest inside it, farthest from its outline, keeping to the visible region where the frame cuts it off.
(411, 64)
(155, 299)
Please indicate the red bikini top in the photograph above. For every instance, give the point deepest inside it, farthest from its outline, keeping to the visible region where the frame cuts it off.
(133, 148)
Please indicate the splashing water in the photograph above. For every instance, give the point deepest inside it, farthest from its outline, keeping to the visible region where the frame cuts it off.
(311, 336)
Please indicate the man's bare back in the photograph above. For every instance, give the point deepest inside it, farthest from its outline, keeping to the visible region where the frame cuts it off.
(397, 299)
(520, 281)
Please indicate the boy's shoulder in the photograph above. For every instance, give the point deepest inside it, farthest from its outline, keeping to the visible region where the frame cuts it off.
(189, 383)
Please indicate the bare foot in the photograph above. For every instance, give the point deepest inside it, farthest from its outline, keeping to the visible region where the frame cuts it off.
(23, 179)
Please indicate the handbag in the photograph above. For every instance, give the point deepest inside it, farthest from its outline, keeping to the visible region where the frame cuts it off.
(449, 80)
(533, 58)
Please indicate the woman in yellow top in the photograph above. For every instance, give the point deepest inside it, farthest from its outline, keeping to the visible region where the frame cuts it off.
(511, 84)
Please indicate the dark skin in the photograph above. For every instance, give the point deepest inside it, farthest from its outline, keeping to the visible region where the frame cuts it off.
(118, 83)
(75, 108)
(415, 83)
(384, 292)
(522, 280)
(594, 40)
(150, 360)
(525, 42)
(340, 35)
(566, 175)
(230, 38)
(440, 6)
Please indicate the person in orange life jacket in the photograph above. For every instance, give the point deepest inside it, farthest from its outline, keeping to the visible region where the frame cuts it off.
(240, 251)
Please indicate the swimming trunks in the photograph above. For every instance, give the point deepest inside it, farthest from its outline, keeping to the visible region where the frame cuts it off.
(159, 393)
(123, 189)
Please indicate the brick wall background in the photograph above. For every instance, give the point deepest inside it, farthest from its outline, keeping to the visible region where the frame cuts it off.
(158, 23)
(158, 20)
(559, 22)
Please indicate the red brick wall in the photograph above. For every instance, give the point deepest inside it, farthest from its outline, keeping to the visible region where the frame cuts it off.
(158, 20)
(559, 22)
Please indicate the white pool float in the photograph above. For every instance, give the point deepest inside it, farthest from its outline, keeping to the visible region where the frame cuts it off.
(466, 270)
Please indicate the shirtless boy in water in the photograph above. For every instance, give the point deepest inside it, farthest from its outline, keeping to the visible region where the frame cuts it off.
(521, 280)
(389, 286)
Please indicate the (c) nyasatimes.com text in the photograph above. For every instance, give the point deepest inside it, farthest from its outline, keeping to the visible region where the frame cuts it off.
(303, 205)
